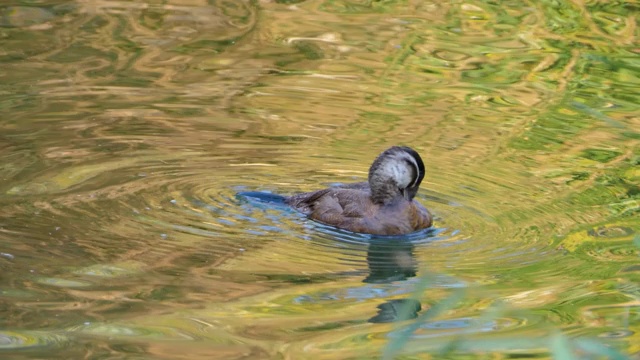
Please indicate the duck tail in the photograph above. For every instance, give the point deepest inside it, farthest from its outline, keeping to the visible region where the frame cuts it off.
(263, 197)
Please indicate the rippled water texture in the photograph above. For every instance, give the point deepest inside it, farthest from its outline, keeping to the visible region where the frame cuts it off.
(127, 129)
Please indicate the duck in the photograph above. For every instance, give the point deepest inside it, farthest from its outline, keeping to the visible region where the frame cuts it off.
(383, 205)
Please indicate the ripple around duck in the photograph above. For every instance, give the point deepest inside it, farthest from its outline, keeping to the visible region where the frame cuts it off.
(173, 220)
(327, 243)
(172, 217)
(455, 221)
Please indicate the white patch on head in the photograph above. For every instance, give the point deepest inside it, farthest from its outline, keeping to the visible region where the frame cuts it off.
(397, 168)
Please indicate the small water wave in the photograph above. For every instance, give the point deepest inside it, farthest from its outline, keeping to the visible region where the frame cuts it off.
(17, 340)
(131, 332)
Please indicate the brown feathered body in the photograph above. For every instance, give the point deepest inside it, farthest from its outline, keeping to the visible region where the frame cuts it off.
(382, 206)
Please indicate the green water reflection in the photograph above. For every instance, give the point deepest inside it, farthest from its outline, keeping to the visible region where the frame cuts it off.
(127, 128)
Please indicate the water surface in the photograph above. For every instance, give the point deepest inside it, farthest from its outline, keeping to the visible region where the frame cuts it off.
(127, 128)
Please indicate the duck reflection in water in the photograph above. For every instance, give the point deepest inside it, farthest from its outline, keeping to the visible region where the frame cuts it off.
(391, 261)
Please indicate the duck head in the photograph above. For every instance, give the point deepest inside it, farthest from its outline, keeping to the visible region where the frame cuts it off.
(396, 173)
